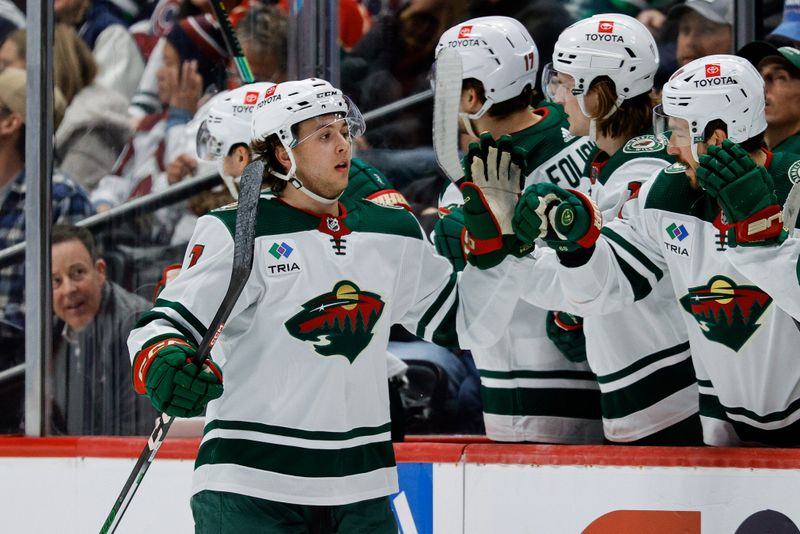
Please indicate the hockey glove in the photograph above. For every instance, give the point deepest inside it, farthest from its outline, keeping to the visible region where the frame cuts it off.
(448, 238)
(494, 174)
(176, 386)
(566, 332)
(567, 220)
(745, 192)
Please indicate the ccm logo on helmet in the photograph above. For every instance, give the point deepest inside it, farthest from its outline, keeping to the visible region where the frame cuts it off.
(712, 69)
(464, 32)
(250, 97)
(605, 26)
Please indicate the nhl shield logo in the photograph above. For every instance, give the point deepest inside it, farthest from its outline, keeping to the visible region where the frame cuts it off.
(333, 224)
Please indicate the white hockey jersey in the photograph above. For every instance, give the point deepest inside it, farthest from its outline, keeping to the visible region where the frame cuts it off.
(744, 346)
(640, 353)
(304, 417)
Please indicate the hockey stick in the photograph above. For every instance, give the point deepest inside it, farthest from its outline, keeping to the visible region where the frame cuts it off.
(243, 241)
(232, 42)
(446, 99)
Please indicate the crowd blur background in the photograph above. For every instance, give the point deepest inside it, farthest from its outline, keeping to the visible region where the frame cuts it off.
(131, 79)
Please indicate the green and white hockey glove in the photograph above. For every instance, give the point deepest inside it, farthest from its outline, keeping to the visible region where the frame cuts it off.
(448, 238)
(494, 173)
(566, 332)
(745, 192)
(565, 219)
(164, 372)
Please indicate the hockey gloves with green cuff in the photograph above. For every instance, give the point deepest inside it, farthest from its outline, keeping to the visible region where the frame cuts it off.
(566, 220)
(448, 238)
(494, 177)
(176, 386)
(745, 192)
(566, 332)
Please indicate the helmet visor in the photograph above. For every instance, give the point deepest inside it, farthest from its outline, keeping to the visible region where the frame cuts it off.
(353, 118)
(555, 85)
(671, 131)
(209, 148)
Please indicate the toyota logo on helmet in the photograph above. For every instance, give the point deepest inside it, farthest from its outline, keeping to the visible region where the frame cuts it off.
(605, 26)
(712, 70)
(464, 32)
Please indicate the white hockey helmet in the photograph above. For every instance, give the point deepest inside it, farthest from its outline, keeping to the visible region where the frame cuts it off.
(290, 103)
(721, 87)
(228, 119)
(611, 44)
(498, 52)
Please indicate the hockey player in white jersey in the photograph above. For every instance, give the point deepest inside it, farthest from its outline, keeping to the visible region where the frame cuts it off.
(720, 194)
(529, 390)
(299, 436)
(602, 72)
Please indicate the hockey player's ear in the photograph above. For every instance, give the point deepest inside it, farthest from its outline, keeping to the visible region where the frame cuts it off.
(717, 137)
(470, 103)
(283, 157)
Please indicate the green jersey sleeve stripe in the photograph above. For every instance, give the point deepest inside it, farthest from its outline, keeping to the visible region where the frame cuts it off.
(557, 402)
(297, 461)
(551, 375)
(640, 285)
(630, 249)
(149, 317)
(295, 433)
(645, 392)
(183, 312)
(437, 304)
(445, 334)
(644, 362)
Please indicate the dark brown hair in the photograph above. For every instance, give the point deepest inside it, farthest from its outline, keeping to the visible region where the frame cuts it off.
(750, 145)
(264, 149)
(634, 114)
(500, 110)
(67, 232)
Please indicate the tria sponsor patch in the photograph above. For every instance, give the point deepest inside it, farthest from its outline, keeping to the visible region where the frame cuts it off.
(679, 238)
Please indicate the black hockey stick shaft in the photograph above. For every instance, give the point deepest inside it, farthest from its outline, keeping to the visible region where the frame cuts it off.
(243, 242)
(232, 42)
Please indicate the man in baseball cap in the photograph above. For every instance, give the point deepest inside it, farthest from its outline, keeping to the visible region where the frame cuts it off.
(704, 28)
(780, 68)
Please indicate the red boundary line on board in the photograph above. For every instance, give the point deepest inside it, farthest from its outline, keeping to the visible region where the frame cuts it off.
(429, 449)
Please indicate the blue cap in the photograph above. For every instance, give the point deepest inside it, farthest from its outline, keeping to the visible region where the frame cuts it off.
(790, 24)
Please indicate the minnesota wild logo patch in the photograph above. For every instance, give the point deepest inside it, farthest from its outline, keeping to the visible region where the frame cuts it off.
(727, 313)
(642, 143)
(339, 322)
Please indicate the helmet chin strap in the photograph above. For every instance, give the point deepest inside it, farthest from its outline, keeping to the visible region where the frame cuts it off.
(467, 118)
(292, 178)
(229, 181)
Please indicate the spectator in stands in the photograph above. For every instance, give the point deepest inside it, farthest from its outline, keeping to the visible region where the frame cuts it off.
(780, 68)
(705, 27)
(101, 24)
(95, 125)
(263, 32)
(69, 204)
(11, 18)
(91, 386)
(194, 62)
(788, 31)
